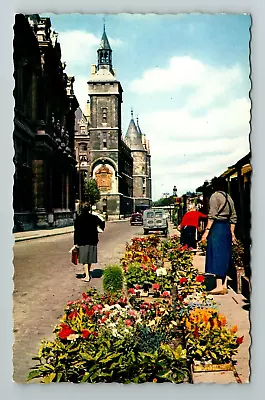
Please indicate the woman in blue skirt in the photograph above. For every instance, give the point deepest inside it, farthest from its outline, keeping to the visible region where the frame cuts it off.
(219, 234)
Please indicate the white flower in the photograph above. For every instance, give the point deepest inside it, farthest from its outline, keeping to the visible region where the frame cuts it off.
(73, 336)
(161, 271)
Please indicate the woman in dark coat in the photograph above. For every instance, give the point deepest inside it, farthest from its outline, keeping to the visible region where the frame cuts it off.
(86, 238)
(220, 234)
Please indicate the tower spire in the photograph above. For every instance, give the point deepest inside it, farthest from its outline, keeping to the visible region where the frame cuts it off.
(132, 112)
(104, 51)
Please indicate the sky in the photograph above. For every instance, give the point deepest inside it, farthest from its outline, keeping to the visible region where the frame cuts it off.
(186, 76)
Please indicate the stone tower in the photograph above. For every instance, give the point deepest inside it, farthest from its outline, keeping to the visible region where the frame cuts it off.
(136, 141)
(109, 155)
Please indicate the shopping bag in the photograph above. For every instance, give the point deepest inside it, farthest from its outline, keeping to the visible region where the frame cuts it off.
(75, 256)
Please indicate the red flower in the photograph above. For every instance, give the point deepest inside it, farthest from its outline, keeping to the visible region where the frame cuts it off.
(95, 334)
(102, 320)
(138, 287)
(145, 258)
(165, 294)
(90, 312)
(128, 322)
(131, 290)
(183, 280)
(239, 340)
(196, 333)
(155, 286)
(65, 331)
(145, 268)
(85, 333)
(125, 268)
(153, 267)
(73, 315)
(70, 303)
(200, 278)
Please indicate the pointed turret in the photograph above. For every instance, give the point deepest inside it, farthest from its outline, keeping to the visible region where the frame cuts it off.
(133, 138)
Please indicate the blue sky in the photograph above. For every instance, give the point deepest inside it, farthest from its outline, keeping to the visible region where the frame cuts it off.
(186, 76)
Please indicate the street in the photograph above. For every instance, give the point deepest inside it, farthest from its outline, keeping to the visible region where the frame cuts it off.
(45, 280)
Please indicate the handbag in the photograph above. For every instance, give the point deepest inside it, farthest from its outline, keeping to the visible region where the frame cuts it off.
(75, 253)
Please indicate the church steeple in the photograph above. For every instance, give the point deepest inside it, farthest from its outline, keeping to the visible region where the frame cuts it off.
(104, 52)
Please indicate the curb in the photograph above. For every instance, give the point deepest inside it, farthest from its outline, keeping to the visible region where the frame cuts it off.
(44, 235)
(22, 239)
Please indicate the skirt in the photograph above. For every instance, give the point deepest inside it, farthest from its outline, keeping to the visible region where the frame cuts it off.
(88, 254)
(188, 236)
(219, 249)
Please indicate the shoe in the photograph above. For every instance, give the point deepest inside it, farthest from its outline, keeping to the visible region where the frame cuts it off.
(86, 279)
(225, 290)
(216, 292)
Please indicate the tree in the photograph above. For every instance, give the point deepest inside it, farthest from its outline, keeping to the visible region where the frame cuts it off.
(92, 193)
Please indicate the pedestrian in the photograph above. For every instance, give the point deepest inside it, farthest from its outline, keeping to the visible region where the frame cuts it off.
(189, 227)
(220, 233)
(86, 238)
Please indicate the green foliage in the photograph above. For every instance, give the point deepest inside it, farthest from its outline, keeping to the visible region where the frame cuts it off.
(113, 279)
(92, 193)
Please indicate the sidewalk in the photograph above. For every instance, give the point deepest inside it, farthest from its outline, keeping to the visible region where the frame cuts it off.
(38, 234)
(235, 308)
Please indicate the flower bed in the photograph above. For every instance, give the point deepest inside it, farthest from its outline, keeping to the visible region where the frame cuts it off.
(104, 339)
(209, 341)
(121, 337)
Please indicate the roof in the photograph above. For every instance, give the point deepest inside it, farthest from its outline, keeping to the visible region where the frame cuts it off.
(104, 43)
(133, 138)
(104, 75)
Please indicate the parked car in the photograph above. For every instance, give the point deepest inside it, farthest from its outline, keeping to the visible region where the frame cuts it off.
(136, 219)
(155, 220)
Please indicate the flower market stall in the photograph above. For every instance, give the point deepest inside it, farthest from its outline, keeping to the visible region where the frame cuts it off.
(154, 323)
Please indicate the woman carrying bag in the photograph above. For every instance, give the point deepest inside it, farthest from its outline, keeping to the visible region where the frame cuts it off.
(86, 227)
(219, 234)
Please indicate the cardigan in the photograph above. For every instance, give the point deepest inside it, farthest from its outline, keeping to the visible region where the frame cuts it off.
(191, 218)
(86, 229)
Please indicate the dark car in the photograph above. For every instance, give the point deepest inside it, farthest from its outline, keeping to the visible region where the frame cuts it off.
(136, 219)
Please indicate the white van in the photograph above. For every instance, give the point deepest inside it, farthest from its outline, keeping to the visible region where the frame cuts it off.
(155, 220)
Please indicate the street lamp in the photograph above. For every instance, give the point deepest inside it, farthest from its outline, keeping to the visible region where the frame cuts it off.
(175, 191)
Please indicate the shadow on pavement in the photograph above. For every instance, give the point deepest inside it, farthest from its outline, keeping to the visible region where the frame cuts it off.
(96, 273)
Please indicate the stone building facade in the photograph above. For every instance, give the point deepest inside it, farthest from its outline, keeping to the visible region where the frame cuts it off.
(122, 171)
(140, 150)
(44, 119)
(111, 160)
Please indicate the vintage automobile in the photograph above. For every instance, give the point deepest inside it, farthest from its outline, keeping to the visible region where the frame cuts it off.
(155, 220)
(136, 219)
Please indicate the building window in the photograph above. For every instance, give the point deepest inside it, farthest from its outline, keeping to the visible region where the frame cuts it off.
(104, 144)
(83, 147)
(104, 115)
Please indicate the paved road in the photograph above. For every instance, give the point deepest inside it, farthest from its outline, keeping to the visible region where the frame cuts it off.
(45, 279)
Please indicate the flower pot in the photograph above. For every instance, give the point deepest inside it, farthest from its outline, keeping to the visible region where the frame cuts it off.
(198, 366)
(209, 281)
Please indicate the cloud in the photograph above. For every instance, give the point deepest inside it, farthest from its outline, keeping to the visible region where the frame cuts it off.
(208, 82)
(188, 149)
(79, 51)
(79, 47)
